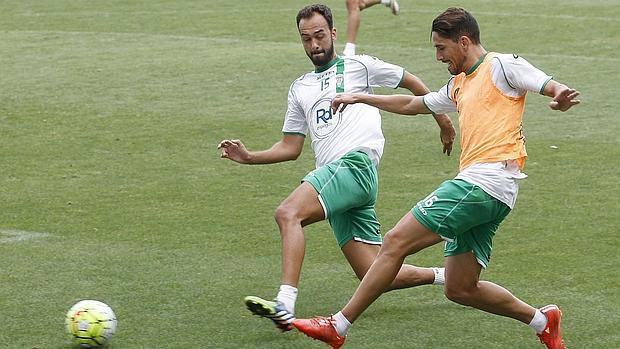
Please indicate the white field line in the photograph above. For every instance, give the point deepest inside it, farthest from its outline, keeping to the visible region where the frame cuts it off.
(532, 15)
(525, 54)
(294, 11)
(8, 236)
(138, 35)
(291, 44)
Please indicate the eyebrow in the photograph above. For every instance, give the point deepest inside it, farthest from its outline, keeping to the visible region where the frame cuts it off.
(320, 30)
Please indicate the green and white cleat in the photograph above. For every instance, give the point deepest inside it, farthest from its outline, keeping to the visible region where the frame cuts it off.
(271, 310)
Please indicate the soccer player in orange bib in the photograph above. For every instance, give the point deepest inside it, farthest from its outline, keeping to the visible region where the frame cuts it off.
(488, 91)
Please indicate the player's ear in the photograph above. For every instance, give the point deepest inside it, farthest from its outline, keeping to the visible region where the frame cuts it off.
(464, 42)
(334, 33)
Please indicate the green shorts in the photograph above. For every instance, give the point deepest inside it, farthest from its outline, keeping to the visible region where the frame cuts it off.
(347, 191)
(465, 216)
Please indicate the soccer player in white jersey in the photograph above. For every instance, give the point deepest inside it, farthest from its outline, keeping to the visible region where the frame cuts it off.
(488, 90)
(348, 147)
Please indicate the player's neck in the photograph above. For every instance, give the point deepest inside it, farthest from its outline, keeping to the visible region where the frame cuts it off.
(326, 66)
(473, 59)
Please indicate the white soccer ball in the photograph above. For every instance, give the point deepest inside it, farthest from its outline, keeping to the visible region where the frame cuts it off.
(91, 323)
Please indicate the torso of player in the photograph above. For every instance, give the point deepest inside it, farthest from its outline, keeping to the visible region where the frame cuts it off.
(333, 134)
(490, 121)
(319, 89)
(490, 100)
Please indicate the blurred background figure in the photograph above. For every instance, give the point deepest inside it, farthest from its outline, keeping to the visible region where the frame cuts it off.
(354, 9)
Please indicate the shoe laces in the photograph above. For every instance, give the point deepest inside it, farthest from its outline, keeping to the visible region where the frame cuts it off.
(323, 321)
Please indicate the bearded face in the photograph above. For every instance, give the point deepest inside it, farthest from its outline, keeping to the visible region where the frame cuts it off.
(318, 39)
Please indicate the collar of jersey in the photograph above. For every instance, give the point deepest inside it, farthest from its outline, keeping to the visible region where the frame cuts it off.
(328, 65)
(475, 66)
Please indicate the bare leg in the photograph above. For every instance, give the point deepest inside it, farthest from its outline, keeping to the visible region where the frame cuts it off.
(300, 208)
(407, 237)
(353, 19)
(354, 11)
(463, 286)
(360, 256)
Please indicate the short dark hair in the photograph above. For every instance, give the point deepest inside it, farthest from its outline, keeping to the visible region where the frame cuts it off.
(456, 22)
(310, 10)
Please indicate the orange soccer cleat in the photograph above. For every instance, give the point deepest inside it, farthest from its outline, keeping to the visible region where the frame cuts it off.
(321, 328)
(552, 336)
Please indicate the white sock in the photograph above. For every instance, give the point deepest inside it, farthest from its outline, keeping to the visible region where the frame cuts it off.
(349, 49)
(288, 296)
(342, 324)
(440, 276)
(539, 322)
(386, 2)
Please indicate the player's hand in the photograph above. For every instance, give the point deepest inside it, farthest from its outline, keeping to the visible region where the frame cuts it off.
(447, 134)
(341, 101)
(565, 100)
(234, 150)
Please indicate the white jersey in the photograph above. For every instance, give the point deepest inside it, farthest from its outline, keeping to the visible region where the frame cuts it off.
(514, 77)
(358, 128)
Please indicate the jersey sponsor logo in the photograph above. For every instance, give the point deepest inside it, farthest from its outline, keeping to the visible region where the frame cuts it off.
(323, 121)
(322, 114)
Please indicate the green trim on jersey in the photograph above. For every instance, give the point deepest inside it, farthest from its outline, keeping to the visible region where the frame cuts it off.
(426, 105)
(504, 72)
(542, 89)
(294, 134)
(401, 79)
(367, 74)
(340, 76)
(328, 65)
(480, 60)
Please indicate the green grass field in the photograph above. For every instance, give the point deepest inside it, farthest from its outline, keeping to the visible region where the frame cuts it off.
(111, 187)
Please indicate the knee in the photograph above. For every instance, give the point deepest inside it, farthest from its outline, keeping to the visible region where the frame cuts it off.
(458, 295)
(391, 248)
(362, 4)
(285, 214)
(355, 5)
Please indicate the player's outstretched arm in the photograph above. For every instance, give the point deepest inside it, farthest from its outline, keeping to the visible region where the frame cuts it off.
(563, 96)
(413, 84)
(446, 130)
(399, 104)
(288, 148)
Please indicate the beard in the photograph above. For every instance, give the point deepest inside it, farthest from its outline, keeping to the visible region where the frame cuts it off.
(323, 58)
(451, 67)
(453, 70)
(455, 65)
